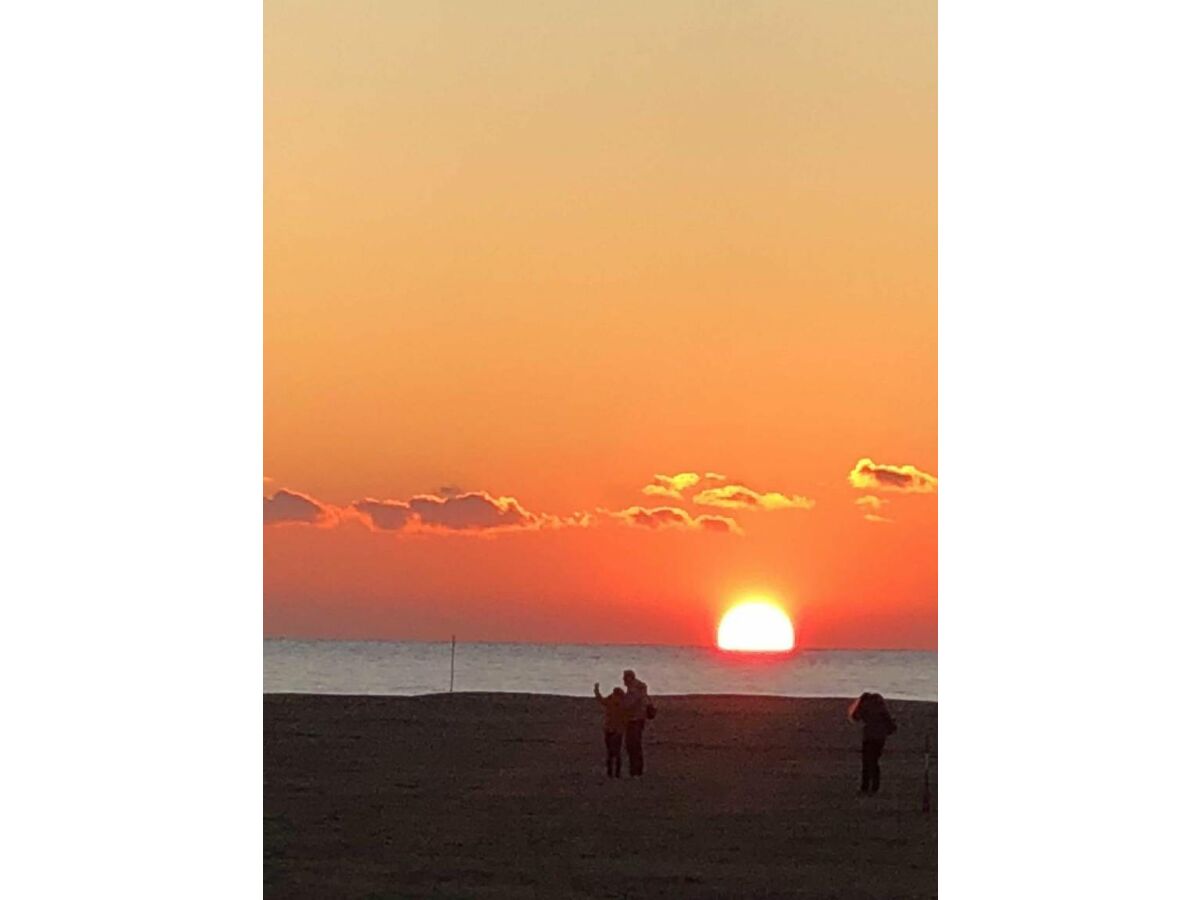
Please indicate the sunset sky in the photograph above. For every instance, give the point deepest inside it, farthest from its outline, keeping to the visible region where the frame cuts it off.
(585, 320)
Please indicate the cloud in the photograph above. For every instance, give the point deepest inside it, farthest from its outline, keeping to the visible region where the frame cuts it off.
(672, 517)
(869, 475)
(384, 515)
(287, 507)
(476, 511)
(871, 508)
(714, 489)
(671, 485)
(737, 496)
(721, 524)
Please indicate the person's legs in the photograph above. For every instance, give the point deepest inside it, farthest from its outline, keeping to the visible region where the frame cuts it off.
(872, 750)
(633, 745)
(612, 750)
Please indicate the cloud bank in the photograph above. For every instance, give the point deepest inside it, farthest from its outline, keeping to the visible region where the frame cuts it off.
(449, 510)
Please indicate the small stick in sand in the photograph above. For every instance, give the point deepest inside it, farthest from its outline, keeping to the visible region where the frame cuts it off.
(925, 800)
(452, 664)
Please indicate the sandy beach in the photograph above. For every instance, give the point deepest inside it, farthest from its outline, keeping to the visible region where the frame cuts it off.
(504, 795)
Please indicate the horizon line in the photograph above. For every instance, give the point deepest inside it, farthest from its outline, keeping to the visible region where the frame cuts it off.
(355, 640)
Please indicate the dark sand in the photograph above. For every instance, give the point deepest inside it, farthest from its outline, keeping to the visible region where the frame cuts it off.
(504, 795)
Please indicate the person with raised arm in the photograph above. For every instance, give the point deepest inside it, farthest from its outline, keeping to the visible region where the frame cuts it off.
(614, 728)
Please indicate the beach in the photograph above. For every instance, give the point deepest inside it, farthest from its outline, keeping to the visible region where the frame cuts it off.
(504, 795)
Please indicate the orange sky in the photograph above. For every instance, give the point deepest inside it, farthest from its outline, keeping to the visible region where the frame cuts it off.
(547, 251)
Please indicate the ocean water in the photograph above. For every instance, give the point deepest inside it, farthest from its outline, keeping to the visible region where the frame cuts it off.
(409, 668)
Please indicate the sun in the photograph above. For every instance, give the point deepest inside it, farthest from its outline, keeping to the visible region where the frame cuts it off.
(756, 625)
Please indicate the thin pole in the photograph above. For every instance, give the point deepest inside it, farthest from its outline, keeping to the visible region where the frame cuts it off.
(452, 642)
(925, 803)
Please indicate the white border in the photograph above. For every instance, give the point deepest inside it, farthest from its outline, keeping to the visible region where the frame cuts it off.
(132, 363)
(131, 355)
(1067, 378)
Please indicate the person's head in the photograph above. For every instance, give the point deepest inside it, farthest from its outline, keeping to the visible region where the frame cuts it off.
(867, 704)
(618, 693)
(629, 678)
(859, 705)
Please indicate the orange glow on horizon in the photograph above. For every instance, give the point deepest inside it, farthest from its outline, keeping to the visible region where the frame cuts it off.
(756, 626)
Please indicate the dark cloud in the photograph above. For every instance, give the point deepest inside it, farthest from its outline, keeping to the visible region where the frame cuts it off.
(869, 475)
(285, 507)
(471, 512)
(660, 517)
(672, 517)
(385, 515)
(718, 523)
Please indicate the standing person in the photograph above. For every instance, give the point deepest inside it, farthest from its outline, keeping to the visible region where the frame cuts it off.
(637, 697)
(872, 711)
(614, 728)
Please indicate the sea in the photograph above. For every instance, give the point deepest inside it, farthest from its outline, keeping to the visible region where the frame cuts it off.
(410, 668)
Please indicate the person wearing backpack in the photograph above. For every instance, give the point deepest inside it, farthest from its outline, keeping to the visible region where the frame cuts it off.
(638, 708)
(871, 710)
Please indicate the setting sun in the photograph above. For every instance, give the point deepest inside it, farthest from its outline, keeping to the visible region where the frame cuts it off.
(756, 626)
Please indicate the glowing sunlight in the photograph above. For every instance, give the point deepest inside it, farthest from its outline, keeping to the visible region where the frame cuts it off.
(756, 625)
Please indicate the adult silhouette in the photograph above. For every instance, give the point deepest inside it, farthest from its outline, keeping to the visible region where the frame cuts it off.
(637, 696)
(871, 710)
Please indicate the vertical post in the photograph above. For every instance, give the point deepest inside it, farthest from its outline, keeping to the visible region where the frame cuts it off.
(452, 642)
(925, 800)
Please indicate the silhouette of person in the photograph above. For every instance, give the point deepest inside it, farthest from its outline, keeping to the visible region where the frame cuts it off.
(872, 711)
(614, 728)
(637, 696)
